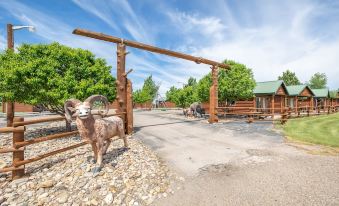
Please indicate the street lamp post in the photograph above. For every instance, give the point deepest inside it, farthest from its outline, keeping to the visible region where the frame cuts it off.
(10, 46)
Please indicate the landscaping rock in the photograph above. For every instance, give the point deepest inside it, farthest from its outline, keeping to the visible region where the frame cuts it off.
(134, 176)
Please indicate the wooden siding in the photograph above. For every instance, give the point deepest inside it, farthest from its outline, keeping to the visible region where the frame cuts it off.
(306, 92)
(281, 91)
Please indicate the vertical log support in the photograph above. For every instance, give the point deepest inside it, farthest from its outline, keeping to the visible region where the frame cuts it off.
(272, 105)
(129, 108)
(18, 155)
(10, 105)
(122, 82)
(296, 104)
(283, 116)
(214, 96)
(282, 99)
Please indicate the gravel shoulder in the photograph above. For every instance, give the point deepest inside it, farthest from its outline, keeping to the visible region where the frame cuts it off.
(237, 163)
(130, 177)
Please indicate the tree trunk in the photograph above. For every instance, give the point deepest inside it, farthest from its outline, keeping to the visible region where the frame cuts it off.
(68, 126)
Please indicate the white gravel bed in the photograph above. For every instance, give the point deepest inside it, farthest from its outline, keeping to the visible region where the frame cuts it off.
(129, 177)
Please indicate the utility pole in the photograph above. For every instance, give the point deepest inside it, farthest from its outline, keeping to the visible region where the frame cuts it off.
(10, 46)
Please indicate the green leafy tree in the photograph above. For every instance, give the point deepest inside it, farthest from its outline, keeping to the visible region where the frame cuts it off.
(191, 82)
(289, 78)
(150, 88)
(47, 75)
(203, 88)
(186, 96)
(141, 96)
(235, 83)
(172, 94)
(148, 91)
(318, 81)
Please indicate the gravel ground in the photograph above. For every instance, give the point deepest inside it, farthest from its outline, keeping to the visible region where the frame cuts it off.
(130, 177)
(236, 163)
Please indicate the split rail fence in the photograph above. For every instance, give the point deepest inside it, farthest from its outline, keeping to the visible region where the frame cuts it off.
(17, 168)
(265, 114)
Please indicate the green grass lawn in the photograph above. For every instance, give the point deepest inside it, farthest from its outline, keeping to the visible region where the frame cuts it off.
(319, 129)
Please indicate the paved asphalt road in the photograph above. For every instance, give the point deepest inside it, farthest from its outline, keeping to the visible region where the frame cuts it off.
(237, 163)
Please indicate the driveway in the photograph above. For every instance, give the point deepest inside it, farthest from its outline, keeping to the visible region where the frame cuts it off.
(236, 163)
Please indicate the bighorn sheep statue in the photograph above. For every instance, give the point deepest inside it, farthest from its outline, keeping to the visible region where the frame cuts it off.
(196, 108)
(97, 131)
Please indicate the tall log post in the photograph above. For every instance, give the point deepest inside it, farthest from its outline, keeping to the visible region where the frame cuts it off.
(122, 82)
(282, 99)
(272, 105)
(18, 136)
(10, 105)
(296, 104)
(129, 107)
(214, 96)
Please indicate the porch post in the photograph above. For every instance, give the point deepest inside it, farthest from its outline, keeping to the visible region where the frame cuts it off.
(272, 104)
(296, 104)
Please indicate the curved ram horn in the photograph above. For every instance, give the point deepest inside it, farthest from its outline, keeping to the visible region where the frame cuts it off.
(70, 103)
(101, 98)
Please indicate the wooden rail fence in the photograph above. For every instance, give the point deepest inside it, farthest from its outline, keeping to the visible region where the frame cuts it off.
(261, 114)
(19, 143)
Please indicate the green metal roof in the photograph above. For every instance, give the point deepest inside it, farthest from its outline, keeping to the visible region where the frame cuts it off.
(321, 92)
(270, 87)
(295, 90)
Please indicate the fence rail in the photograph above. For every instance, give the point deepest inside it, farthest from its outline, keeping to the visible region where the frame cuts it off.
(19, 143)
(261, 114)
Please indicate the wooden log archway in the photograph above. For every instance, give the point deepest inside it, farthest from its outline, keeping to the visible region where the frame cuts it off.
(122, 81)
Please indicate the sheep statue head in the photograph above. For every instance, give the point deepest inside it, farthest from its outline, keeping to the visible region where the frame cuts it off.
(97, 131)
(83, 110)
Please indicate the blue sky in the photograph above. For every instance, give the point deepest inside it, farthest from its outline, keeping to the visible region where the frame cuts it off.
(267, 36)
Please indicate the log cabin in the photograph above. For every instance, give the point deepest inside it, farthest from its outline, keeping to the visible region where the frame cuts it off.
(321, 98)
(270, 96)
(299, 96)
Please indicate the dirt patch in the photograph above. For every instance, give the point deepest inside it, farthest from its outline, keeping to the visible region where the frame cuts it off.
(259, 152)
(226, 169)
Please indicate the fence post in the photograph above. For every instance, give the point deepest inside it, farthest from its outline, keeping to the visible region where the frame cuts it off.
(18, 136)
(284, 116)
(328, 109)
(129, 108)
(308, 111)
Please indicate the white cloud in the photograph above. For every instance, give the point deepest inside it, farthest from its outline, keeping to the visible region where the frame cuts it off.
(208, 26)
(268, 37)
(270, 47)
(119, 15)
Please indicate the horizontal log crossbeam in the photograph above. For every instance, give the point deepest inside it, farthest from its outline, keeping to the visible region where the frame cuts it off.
(113, 39)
